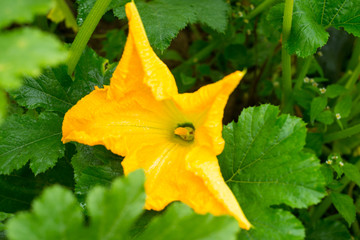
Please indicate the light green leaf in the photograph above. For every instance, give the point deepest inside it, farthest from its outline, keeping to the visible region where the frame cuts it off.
(49, 91)
(23, 138)
(24, 52)
(3, 105)
(318, 104)
(345, 206)
(343, 106)
(264, 166)
(55, 215)
(352, 172)
(4, 217)
(326, 117)
(113, 211)
(22, 11)
(334, 90)
(180, 222)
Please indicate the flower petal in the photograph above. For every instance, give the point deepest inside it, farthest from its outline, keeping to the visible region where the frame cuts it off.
(196, 181)
(139, 64)
(211, 100)
(119, 125)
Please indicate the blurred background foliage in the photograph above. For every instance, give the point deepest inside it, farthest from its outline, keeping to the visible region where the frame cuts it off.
(200, 41)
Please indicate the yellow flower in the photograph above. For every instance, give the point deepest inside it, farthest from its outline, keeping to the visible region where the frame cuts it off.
(174, 137)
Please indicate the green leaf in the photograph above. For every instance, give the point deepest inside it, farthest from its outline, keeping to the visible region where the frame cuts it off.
(94, 166)
(180, 222)
(22, 11)
(91, 71)
(328, 230)
(312, 18)
(318, 104)
(113, 211)
(4, 217)
(326, 117)
(264, 166)
(23, 138)
(334, 90)
(273, 224)
(163, 19)
(114, 44)
(345, 206)
(55, 215)
(49, 91)
(20, 188)
(3, 105)
(343, 106)
(352, 172)
(24, 52)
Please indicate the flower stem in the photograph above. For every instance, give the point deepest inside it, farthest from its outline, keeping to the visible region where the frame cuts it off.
(303, 72)
(69, 16)
(286, 102)
(85, 32)
(263, 6)
(342, 134)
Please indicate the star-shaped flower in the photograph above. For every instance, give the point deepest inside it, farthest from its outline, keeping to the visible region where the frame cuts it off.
(174, 137)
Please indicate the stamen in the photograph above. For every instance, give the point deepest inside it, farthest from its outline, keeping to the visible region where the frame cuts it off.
(185, 133)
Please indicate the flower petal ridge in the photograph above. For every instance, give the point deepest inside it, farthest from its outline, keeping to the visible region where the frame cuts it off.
(174, 137)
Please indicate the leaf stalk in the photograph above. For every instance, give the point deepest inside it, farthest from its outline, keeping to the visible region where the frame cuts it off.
(85, 33)
(286, 101)
(259, 9)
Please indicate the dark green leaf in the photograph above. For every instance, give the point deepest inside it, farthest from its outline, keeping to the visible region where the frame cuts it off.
(22, 11)
(180, 222)
(163, 19)
(24, 52)
(328, 230)
(312, 18)
(345, 206)
(3, 105)
(326, 117)
(114, 44)
(48, 91)
(21, 187)
(94, 166)
(264, 166)
(23, 138)
(55, 215)
(91, 71)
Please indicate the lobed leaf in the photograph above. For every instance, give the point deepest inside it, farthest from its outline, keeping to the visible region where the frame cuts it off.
(264, 166)
(22, 11)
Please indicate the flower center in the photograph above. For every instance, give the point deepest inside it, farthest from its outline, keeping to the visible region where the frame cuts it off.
(185, 132)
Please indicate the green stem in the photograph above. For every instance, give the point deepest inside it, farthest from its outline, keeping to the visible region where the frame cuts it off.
(342, 134)
(303, 72)
(354, 77)
(69, 16)
(286, 58)
(85, 32)
(259, 9)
